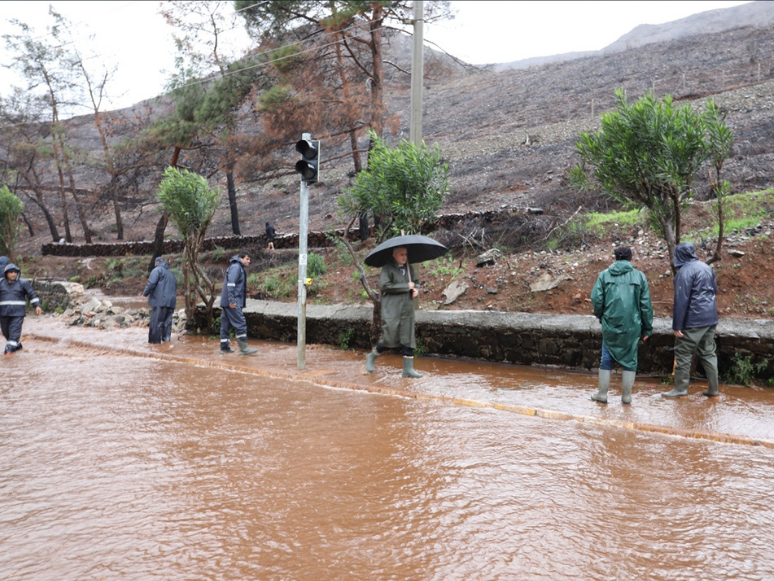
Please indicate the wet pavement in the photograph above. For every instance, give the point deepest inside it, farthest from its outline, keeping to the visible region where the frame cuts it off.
(120, 459)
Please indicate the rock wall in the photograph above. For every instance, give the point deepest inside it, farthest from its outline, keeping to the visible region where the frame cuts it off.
(57, 294)
(570, 341)
(314, 239)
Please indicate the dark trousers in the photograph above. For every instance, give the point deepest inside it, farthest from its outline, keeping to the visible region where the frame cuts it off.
(402, 350)
(12, 329)
(232, 319)
(702, 342)
(160, 328)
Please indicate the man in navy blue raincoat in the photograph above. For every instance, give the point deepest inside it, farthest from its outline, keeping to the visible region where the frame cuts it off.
(14, 292)
(694, 318)
(232, 300)
(161, 291)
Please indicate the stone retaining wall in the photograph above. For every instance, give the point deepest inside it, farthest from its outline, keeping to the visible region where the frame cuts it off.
(314, 239)
(57, 293)
(570, 341)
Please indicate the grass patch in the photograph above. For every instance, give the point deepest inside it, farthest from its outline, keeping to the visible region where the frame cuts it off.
(444, 266)
(279, 283)
(601, 224)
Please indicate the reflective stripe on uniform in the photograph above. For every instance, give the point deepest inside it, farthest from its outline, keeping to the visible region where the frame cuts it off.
(13, 343)
(13, 302)
(35, 300)
(231, 284)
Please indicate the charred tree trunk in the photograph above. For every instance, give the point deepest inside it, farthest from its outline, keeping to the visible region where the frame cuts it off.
(158, 240)
(232, 203)
(161, 226)
(28, 223)
(116, 208)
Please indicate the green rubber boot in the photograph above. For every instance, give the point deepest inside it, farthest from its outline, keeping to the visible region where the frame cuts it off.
(682, 379)
(604, 385)
(244, 349)
(371, 360)
(408, 368)
(626, 386)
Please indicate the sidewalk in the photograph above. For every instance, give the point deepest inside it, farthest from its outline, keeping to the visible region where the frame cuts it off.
(740, 415)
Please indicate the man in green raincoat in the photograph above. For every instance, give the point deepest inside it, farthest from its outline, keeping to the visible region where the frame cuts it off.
(399, 287)
(621, 300)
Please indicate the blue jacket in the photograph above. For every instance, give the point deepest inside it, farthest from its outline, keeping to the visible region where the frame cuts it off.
(234, 285)
(695, 290)
(161, 287)
(14, 295)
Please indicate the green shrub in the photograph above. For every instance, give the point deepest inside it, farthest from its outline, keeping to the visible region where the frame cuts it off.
(743, 370)
(253, 279)
(315, 265)
(421, 348)
(218, 254)
(178, 274)
(345, 338)
(445, 266)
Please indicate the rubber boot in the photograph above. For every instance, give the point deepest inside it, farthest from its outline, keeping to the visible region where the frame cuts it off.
(712, 379)
(8, 350)
(244, 349)
(371, 360)
(682, 379)
(604, 385)
(408, 368)
(225, 349)
(627, 382)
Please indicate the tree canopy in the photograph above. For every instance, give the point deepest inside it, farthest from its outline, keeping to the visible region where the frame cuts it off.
(404, 186)
(647, 155)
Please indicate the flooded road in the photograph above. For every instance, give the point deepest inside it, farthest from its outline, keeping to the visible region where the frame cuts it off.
(134, 467)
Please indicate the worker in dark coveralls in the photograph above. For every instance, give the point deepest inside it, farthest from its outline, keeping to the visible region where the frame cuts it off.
(399, 286)
(270, 234)
(161, 291)
(621, 301)
(232, 300)
(694, 318)
(14, 292)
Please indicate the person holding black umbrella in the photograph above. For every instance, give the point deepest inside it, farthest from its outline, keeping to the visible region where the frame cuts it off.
(399, 286)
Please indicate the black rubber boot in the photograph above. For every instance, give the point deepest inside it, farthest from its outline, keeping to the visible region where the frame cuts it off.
(225, 349)
(408, 368)
(604, 385)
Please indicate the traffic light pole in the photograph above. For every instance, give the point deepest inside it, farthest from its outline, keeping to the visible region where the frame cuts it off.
(303, 228)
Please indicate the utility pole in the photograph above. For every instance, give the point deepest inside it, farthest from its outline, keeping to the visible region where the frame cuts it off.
(417, 74)
(303, 228)
(308, 166)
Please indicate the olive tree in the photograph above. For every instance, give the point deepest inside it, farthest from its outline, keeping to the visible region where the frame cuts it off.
(647, 155)
(10, 209)
(190, 203)
(403, 187)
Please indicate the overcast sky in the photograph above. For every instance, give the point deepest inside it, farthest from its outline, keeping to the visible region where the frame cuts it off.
(135, 38)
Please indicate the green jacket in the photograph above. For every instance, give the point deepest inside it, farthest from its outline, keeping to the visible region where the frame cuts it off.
(397, 305)
(621, 300)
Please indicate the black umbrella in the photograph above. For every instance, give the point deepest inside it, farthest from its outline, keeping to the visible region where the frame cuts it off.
(420, 249)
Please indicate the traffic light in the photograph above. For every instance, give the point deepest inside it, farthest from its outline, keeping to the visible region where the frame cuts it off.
(309, 164)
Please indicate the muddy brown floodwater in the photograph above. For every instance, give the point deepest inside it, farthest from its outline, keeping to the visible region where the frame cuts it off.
(118, 466)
